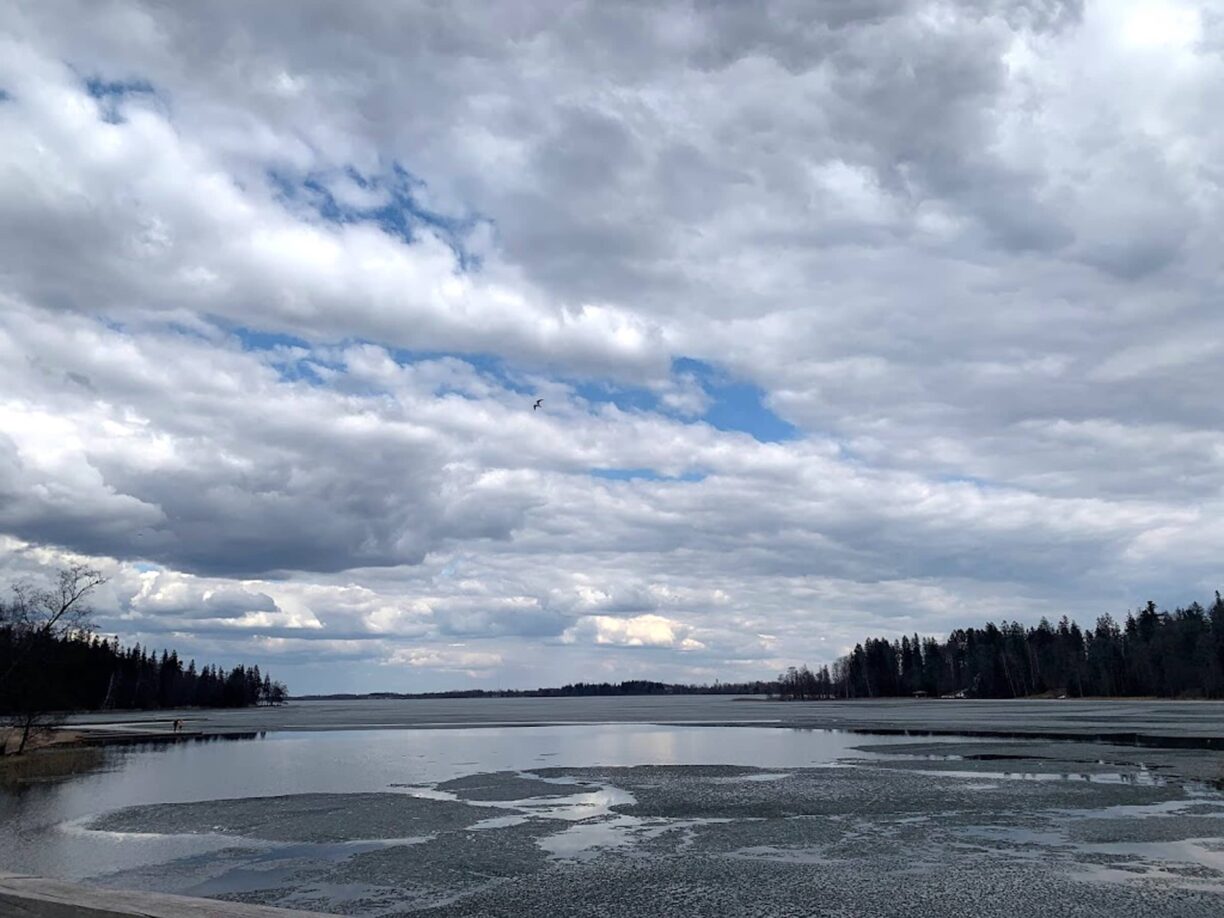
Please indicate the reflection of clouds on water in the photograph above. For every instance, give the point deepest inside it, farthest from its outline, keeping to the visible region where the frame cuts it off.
(587, 840)
(498, 822)
(571, 809)
(581, 840)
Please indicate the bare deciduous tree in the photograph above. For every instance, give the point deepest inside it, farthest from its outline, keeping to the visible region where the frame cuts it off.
(33, 618)
(57, 611)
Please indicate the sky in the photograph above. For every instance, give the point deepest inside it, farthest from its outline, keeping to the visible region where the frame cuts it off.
(850, 318)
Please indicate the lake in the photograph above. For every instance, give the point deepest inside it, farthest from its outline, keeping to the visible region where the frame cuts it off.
(636, 806)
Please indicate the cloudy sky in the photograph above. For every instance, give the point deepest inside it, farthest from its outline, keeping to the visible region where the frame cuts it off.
(850, 317)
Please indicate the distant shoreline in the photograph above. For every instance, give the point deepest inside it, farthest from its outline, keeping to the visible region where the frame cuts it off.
(579, 690)
(745, 695)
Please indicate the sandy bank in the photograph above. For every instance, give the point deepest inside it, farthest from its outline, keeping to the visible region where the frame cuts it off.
(35, 897)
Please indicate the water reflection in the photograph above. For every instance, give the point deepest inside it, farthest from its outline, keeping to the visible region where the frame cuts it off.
(20, 775)
(36, 824)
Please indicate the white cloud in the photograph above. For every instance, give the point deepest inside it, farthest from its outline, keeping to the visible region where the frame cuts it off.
(638, 631)
(150, 220)
(968, 250)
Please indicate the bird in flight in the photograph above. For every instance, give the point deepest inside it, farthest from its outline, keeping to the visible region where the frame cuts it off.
(538, 403)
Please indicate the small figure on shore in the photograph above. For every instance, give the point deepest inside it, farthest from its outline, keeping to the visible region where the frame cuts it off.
(178, 726)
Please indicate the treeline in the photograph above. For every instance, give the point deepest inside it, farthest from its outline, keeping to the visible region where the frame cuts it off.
(579, 689)
(1177, 654)
(644, 687)
(85, 673)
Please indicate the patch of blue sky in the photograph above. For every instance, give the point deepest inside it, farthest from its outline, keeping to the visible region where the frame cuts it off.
(107, 89)
(626, 398)
(399, 211)
(111, 93)
(294, 366)
(735, 404)
(255, 340)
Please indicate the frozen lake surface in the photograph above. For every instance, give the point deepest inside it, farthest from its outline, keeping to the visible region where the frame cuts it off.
(1170, 719)
(706, 806)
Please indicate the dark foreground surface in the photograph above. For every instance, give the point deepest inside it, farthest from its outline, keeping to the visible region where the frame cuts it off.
(692, 840)
(38, 897)
(621, 819)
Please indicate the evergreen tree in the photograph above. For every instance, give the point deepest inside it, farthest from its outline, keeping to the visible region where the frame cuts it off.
(1177, 654)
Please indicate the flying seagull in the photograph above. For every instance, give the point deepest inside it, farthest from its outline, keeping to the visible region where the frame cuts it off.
(538, 403)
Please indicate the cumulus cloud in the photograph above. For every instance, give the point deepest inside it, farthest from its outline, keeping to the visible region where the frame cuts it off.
(638, 631)
(869, 316)
(151, 220)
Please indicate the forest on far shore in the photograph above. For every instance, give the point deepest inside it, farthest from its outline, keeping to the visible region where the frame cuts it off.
(1177, 654)
(87, 673)
(51, 661)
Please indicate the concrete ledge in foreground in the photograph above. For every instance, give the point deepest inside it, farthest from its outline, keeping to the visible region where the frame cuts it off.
(34, 897)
